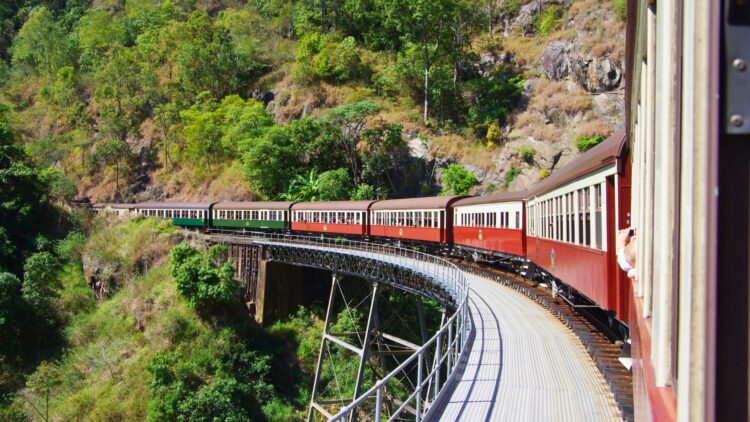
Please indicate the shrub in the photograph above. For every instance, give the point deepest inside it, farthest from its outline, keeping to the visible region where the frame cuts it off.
(543, 173)
(510, 176)
(367, 191)
(585, 143)
(549, 20)
(206, 285)
(495, 97)
(527, 153)
(321, 57)
(71, 247)
(493, 135)
(334, 185)
(621, 9)
(457, 180)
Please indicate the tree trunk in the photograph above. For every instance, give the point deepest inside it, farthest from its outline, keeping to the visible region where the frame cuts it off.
(426, 83)
(489, 16)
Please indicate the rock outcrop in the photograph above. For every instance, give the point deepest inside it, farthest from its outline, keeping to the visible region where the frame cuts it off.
(596, 74)
(556, 60)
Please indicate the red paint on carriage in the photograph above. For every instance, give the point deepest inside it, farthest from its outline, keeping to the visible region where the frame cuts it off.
(508, 241)
(356, 229)
(427, 234)
(584, 269)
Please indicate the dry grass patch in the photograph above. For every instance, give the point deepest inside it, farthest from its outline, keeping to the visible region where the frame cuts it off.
(556, 95)
(548, 132)
(593, 128)
(526, 50)
(457, 148)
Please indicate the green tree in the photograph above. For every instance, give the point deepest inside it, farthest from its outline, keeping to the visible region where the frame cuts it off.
(40, 387)
(303, 188)
(40, 283)
(205, 285)
(457, 180)
(41, 46)
(384, 152)
(365, 191)
(353, 119)
(11, 308)
(495, 97)
(335, 185)
(115, 152)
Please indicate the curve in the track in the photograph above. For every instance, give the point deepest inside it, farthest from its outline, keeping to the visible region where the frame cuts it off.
(524, 365)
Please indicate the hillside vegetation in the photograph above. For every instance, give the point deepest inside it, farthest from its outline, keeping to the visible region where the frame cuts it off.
(149, 347)
(309, 99)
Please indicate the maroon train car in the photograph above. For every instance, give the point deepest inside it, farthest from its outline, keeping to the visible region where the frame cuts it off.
(571, 220)
(342, 217)
(423, 219)
(493, 223)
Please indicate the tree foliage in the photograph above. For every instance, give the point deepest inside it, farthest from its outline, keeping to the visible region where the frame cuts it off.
(457, 180)
(206, 285)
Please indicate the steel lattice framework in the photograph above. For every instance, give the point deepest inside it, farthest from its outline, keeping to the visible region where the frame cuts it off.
(421, 371)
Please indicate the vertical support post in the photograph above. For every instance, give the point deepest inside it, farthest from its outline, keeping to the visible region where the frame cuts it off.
(422, 325)
(438, 366)
(321, 356)
(418, 406)
(450, 348)
(378, 402)
(365, 351)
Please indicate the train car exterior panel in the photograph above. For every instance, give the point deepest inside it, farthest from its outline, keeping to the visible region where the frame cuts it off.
(354, 229)
(584, 269)
(426, 234)
(251, 224)
(189, 222)
(508, 241)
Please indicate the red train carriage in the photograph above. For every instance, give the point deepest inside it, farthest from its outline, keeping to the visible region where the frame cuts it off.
(492, 223)
(571, 221)
(424, 219)
(343, 217)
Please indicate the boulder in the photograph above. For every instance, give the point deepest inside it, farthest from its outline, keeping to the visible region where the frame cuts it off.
(596, 74)
(556, 60)
(524, 21)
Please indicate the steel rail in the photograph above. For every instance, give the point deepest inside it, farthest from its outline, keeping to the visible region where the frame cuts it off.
(454, 331)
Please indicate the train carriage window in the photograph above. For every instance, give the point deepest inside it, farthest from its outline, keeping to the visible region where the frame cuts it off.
(518, 220)
(441, 222)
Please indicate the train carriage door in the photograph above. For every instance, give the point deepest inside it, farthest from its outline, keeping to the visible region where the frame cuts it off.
(614, 279)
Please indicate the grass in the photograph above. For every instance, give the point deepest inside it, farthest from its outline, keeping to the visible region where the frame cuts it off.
(454, 147)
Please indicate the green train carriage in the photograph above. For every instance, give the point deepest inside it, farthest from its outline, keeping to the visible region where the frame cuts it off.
(188, 214)
(251, 215)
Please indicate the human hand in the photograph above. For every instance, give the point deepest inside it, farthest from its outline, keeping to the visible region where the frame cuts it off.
(623, 237)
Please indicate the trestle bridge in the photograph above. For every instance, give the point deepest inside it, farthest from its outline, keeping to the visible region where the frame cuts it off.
(491, 353)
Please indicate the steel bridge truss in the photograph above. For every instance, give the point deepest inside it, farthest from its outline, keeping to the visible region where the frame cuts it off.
(395, 379)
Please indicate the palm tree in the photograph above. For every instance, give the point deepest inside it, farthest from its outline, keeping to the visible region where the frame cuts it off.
(303, 188)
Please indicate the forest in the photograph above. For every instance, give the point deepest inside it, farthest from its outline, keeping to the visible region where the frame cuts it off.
(304, 100)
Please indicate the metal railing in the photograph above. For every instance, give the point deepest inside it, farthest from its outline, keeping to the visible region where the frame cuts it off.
(435, 361)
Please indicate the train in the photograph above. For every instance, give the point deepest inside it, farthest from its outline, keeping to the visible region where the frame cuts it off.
(678, 175)
(560, 232)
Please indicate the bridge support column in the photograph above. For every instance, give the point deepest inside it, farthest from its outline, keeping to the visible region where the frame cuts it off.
(280, 291)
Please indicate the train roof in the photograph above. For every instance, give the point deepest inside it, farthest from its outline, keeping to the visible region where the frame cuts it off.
(426, 203)
(517, 196)
(114, 206)
(257, 205)
(174, 205)
(333, 206)
(606, 153)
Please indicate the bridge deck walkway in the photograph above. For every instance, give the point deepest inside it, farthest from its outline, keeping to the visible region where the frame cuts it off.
(525, 365)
